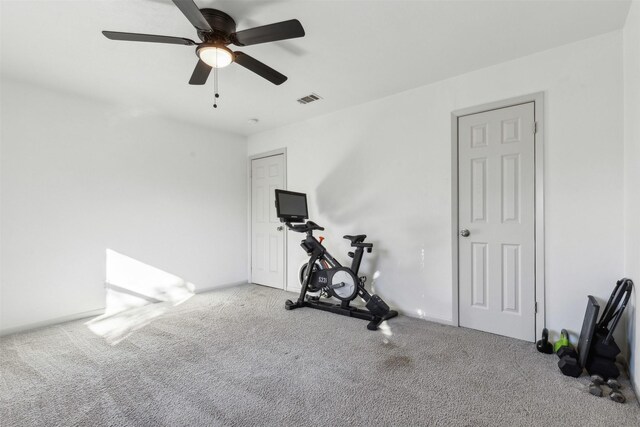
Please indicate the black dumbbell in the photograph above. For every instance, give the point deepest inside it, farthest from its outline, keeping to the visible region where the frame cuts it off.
(567, 352)
(615, 394)
(606, 368)
(568, 362)
(595, 387)
(569, 366)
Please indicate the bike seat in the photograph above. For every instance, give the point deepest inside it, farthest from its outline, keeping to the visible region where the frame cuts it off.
(356, 239)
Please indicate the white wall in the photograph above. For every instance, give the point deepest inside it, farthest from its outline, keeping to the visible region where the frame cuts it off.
(384, 168)
(632, 175)
(79, 177)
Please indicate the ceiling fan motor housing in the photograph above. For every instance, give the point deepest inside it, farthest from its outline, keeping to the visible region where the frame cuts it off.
(222, 24)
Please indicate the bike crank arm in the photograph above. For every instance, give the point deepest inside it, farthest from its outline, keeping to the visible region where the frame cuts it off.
(338, 285)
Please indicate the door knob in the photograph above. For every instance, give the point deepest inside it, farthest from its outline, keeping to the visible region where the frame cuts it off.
(280, 228)
(464, 232)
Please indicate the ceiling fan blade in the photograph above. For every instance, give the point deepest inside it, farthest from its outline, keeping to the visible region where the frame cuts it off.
(252, 64)
(269, 33)
(193, 14)
(200, 73)
(135, 37)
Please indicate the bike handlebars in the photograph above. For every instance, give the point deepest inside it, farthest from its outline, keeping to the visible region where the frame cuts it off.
(309, 226)
(304, 228)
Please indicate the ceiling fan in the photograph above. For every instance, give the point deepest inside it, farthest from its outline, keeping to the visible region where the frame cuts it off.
(217, 30)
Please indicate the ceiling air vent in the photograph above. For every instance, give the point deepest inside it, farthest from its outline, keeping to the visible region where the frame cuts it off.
(309, 98)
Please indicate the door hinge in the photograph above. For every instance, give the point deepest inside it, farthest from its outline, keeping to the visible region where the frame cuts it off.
(536, 306)
(535, 127)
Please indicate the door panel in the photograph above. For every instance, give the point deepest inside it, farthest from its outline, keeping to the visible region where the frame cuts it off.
(479, 274)
(496, 195)
(267, 242)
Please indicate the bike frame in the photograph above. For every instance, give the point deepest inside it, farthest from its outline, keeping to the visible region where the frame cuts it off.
(376, 310)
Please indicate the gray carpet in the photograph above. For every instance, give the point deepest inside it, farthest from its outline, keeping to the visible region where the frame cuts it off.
(235, 357)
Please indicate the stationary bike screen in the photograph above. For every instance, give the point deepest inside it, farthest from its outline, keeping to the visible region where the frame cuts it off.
(290, 206)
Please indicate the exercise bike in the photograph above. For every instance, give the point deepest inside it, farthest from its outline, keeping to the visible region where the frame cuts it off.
(325, 276)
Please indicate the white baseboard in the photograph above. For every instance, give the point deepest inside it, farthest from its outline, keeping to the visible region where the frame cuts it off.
(54, 321)
(415, 316)
(633, 384)
(100, 311)
(216, 288)
(92, 313)
(625, 364)
(427, 318)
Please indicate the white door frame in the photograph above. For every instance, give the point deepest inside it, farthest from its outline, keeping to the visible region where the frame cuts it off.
(538, 100)
(271, 153)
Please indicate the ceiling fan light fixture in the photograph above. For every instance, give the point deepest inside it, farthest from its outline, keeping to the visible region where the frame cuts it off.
(215, 56)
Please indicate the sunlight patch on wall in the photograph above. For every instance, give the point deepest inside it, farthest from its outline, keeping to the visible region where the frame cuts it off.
(136, 293)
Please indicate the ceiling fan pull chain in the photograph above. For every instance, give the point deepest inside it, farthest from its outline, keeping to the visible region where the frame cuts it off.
(215, 87)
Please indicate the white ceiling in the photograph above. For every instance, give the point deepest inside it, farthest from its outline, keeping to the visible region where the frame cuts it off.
(353, 52)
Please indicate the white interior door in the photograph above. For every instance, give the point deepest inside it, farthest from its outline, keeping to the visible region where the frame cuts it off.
(496, 200)
(267, 233)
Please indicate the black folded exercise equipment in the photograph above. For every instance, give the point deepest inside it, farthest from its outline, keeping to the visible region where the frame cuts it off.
(597, 348)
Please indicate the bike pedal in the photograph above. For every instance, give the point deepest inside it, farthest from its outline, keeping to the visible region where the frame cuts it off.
(363, 279)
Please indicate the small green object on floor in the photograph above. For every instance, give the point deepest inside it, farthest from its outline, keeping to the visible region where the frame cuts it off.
(563, 341)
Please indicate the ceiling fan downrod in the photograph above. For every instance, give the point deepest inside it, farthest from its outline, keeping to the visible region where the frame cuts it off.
(215, 88)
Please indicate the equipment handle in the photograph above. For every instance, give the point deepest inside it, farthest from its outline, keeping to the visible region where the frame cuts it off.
(362, 245)
(626, 289)
(313, 226)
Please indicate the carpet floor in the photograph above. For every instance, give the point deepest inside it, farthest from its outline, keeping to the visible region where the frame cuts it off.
(235, 357)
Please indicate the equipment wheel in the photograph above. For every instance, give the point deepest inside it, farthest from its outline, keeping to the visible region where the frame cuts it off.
(343, 284)
(302, 271)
